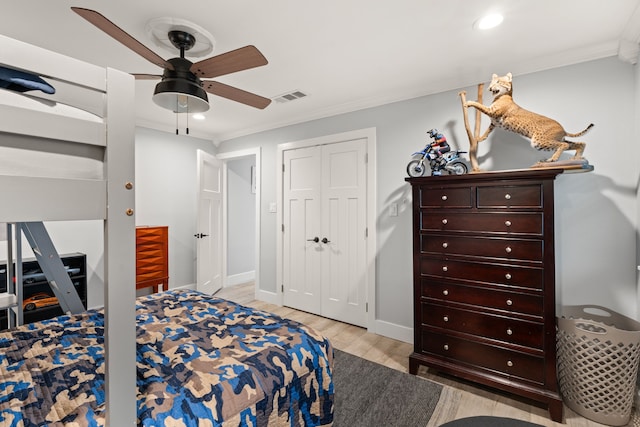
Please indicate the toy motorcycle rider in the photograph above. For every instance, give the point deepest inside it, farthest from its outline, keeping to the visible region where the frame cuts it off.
(439, 145)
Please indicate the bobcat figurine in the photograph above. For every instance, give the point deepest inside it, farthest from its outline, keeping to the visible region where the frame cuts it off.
(545, 133)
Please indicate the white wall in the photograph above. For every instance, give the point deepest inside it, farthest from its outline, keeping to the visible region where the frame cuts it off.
(596, 211)
(241, 213)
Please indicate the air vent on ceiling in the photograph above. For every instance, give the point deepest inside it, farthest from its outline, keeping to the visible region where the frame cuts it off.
(290, 96)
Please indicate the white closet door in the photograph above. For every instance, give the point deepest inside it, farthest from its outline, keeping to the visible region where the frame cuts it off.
(324, 248)
(301, 213)
(344, 213)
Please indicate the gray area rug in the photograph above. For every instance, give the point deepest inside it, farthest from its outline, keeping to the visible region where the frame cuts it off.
(370, 395)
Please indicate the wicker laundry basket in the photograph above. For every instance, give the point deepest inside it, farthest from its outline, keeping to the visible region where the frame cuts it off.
(598, 362)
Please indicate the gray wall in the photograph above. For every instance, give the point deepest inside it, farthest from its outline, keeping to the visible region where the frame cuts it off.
(241, 214)
(166, 194)
(596, 211)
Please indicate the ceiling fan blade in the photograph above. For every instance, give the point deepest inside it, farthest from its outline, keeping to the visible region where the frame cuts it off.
(120, 35)
(235, 94)
(240, 59)
(147, 76)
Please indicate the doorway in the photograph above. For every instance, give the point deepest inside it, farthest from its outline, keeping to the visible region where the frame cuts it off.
(326, 253)
(241, 217)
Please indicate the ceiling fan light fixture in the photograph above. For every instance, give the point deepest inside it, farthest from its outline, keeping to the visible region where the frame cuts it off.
(181, 96)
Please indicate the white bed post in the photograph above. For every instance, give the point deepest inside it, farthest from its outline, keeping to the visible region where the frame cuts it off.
(120, 258)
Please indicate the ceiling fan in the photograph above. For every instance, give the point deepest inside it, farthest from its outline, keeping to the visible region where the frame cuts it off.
(181, 88)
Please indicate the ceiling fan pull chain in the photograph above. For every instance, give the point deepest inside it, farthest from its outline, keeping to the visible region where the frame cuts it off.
(187, 119)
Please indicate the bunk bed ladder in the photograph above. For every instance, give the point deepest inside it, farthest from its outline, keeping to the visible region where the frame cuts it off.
(52, 266)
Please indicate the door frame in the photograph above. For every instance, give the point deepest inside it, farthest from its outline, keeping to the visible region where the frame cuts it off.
(225, 157)
(370, 135)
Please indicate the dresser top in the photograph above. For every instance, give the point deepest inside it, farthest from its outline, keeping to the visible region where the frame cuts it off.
(526, 174)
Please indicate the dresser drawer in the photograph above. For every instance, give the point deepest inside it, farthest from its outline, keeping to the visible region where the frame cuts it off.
(514, 302)
(501, 328)
(508, 223)
(504, 274)
(492, 247)
(457, 197)
(509, 196)
(484, 356)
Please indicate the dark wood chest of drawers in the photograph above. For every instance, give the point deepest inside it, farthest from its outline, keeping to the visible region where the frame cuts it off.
(484, 280)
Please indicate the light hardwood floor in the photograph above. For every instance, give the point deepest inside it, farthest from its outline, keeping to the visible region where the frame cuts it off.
(459, 399)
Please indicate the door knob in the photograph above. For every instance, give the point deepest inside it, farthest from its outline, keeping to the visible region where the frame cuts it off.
(325, 240)
(200, 235)
(315, 239)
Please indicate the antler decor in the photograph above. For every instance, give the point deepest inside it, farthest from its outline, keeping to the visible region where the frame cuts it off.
(474, 137)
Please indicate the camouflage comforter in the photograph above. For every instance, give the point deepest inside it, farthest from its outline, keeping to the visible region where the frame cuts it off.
(201, 361)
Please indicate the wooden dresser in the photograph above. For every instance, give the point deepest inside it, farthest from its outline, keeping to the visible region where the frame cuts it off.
(152, 257)
(484, 280)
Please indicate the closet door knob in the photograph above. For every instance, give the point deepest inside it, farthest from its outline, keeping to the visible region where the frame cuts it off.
(315, 239)
(325, 240)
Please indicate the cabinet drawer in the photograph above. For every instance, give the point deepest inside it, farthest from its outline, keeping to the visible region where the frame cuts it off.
(486, 357)
(511, 223)
(509, 196)
(505, 274)
(501, 328)
(514, 302)
(459, 197)
(507, 248)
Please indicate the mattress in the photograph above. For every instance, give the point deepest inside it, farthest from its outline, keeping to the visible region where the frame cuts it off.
(201, 361)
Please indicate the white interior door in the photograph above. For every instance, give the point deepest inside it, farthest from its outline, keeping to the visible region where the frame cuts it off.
(344, 226)
(301, 195)
(324, 198)
(209, 224)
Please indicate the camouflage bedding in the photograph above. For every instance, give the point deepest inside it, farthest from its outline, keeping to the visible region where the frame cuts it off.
(201, 361)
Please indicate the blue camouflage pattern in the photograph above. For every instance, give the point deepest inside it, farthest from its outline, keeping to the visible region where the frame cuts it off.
(201, 361)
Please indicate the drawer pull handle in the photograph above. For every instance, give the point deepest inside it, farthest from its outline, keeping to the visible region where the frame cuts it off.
(509, 363)
(445, 244)
(445, 268)
(446, 346)
(509, 331)
(507, 196)
(444, 221)
(445, 318)
(507, 223)
(509, 302)
(445, 292)
(444, 197)
(507, 276)
(507, 249)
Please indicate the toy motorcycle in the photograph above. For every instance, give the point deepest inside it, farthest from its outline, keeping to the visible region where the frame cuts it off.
(450, 163)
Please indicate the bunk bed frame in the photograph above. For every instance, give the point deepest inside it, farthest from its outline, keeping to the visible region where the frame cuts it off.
(70, 157)
(106, 193)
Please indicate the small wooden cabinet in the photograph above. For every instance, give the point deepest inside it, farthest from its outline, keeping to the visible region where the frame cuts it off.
(152, 257)
(484, 280)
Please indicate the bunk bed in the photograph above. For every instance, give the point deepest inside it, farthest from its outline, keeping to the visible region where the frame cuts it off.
(171, 358)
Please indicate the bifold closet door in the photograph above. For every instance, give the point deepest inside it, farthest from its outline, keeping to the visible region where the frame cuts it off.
(325, 230)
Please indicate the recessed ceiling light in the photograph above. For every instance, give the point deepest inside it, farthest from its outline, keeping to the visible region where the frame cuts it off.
(198, 116)
(488, 21)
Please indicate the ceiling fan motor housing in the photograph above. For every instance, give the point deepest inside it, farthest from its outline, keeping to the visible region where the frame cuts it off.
(180, 90)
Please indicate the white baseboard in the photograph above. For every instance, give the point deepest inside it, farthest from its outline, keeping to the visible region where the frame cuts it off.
(397, 332)
(236, 279)
(267, 296)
